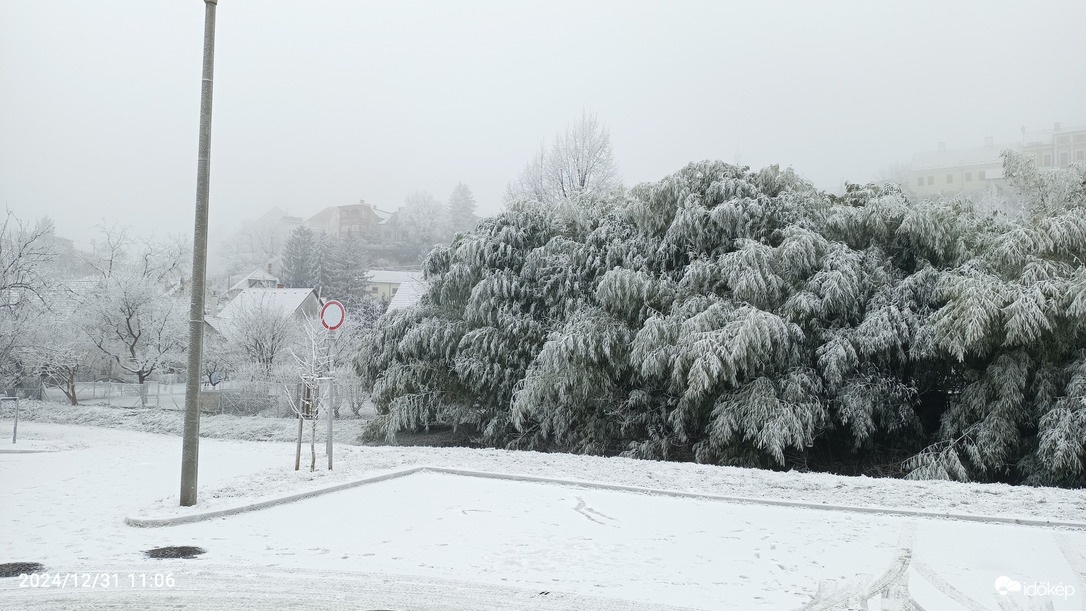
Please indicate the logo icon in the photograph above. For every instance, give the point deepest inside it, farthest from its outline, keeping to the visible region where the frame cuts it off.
(1004, 585)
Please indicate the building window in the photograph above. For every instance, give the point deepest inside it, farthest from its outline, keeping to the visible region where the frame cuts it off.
(1065, 158)
(920, 181)
(1080, 137)
(931, 180)
(1080, 156)
(1048, 160)
(968, 177)
(949, 178)
(1064, 139)
(980, 175)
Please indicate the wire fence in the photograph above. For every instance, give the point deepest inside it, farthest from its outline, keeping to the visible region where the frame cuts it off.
(114, 394)
(242, 398)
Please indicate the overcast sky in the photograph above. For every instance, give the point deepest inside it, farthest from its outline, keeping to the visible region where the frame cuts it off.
(321, 103)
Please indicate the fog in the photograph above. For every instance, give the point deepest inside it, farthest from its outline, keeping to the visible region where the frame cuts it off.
(326, 103)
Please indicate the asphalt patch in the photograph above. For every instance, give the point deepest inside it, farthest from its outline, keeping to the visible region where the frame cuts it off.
(182, 551)
(14, 569)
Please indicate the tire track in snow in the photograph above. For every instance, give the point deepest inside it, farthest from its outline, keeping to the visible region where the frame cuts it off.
(946, 588)
(1076, 560)
(894, 578)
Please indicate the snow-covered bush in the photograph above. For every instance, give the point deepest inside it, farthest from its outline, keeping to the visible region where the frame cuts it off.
(1014, 325)
(738, 317)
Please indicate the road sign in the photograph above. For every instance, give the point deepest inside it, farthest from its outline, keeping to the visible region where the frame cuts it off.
(332, 315)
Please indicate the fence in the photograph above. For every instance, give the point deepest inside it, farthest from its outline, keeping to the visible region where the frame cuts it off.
(237, 397)
(123, 394)
(246, 399)
(115, 394)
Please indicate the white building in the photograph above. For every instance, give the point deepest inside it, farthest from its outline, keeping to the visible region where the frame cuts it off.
(384, 284)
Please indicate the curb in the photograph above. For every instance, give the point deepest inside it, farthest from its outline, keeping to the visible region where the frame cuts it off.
(910, 513)
(199, 517)
(914, 513)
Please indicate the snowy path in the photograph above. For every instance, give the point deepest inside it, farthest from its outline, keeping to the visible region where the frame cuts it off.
(230, 588)
(441, 541)
(657, 549)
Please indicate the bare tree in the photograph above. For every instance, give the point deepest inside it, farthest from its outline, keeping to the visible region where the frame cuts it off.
(62, 351)
(253, 247)
(580, 163)
(531, 185)
(218, 358)
(25, 258)
(135, 310)
(424, 221)
(261, 335)
(356, 330)
(25, 253)
(895, 173)
(313, 361)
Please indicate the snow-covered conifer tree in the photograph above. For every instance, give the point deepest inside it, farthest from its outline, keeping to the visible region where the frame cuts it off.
(299, 259)
(461, 212)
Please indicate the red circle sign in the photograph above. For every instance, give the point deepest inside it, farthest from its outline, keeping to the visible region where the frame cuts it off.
(332, 315)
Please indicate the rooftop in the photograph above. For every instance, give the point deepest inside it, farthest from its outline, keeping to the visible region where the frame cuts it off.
(980, 155)
(1045, 136)
(284, 300)
(385, 276)
(259, 275)
(408, 294)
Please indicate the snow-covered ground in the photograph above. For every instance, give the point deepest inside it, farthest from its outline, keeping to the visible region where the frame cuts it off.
(455, 539)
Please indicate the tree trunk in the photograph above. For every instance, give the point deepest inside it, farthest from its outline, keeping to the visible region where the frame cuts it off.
(70, 392)
(313, 443)
(298, 453)
(143, 389)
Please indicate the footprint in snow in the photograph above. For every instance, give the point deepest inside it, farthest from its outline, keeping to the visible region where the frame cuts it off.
(583, 509)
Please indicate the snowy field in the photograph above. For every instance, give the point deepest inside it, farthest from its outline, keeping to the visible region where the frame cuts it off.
(464, 539)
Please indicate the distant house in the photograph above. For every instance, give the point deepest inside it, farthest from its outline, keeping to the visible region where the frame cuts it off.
(361, 219)
(68, 296)
(1056, 148)
(408, 294)
(323, 221)
(299, 303)
(258, 279)
(384, 284)
(275, 225)
(951, 172)
(391, 229)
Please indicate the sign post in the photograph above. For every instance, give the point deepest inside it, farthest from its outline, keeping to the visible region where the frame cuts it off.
(332, 316)
(15, 428)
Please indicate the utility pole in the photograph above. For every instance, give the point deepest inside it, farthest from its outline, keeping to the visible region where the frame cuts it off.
(190, 449)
